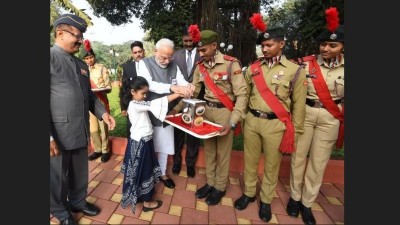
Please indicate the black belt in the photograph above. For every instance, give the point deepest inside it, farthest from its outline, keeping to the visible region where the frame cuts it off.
(215, 104)
(318, 104)
(264, 115)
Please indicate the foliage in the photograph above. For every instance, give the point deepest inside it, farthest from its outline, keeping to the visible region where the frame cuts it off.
(68, 6)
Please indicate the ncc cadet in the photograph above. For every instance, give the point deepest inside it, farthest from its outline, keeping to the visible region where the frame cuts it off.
(225, 94)
(324, 123)
(99, 78)
(277, 92)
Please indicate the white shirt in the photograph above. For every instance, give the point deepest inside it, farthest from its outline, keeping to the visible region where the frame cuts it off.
(139, 117)
(158, 87)
(192, 56)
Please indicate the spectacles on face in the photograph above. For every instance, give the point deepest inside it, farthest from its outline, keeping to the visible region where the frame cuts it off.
(136, 52)
(187, 41)
(163, 59)
(79, 37)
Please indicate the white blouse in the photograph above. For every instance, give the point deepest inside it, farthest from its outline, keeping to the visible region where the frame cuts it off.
(139, 117)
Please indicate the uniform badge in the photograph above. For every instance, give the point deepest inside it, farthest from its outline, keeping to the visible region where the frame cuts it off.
(278, 77)
(199, 43)
(333, 36)
(266, 35)
(225, 77)
(216, 77)
(305, 83)
(281, 72)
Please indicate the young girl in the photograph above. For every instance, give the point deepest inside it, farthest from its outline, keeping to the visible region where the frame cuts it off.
(140, 167)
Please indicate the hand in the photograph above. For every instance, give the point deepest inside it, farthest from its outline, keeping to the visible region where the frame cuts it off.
(225, 129)
(172, 112)
(191, 88)
(54, 151)
(183, 91)
(109, 120)
(124, 113)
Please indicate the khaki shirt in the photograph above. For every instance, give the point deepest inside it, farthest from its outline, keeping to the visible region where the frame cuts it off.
(99, 76)
(334, 78)
(278, 81)
(232, 84)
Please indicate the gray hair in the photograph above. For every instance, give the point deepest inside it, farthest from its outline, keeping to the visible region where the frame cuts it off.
(164, 42)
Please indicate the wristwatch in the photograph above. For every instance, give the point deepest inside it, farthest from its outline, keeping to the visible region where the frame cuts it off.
(233, 126)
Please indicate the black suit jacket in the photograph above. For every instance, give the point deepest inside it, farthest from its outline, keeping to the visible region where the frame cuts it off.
(128, 71)
(180, 60)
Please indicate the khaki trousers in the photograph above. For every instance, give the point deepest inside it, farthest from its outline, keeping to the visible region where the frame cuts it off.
(99, 134)
(262, 135)
(218, 150)
(318, 140)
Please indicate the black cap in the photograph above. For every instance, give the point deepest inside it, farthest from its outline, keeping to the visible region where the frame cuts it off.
(270, 33)
(72, 20)
(337, 36)
(85, 53)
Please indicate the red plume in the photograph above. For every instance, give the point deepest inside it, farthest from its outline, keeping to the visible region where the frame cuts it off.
(257, 22)
(332, 19)
(194, 33)
(86, 45)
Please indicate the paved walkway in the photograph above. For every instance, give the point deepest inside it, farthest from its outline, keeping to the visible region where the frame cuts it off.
(181, 207)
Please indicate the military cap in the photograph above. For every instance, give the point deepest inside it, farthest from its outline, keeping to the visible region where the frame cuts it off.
(86, 49)
(337, 36)
(72, 20)
(207, 37)
(270, 33)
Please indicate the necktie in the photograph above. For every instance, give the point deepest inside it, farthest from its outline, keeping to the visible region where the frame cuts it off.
(189, 62)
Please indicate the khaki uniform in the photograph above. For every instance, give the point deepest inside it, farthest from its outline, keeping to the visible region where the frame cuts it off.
(99, 129)
(218, 149)
(261, 134)
(319, 138)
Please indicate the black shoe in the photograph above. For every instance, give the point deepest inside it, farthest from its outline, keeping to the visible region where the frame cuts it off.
(89, 209)
(94, 156)
(265, 211)
(215, 197)
(169, 183)
(146, 209)
(190, 171)
(176, 168)
(242, 202)
(69, 221)
(293, 207)
(203, 191)
(105, 157)
(307, 215)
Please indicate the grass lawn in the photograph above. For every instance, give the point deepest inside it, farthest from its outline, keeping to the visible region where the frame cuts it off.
(120, 128)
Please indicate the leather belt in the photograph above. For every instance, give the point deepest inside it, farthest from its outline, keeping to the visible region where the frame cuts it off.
(215, 104)
(264, 115)
(317, 104)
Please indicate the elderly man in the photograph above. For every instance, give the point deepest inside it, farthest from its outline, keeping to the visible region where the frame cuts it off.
(71, 99)
(164, 77)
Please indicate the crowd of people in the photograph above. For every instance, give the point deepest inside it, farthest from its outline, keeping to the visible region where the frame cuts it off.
(280, 105)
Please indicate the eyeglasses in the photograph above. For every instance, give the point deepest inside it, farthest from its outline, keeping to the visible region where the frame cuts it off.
(140, 52)
(187, 40)
(79, 37)
(162, 58)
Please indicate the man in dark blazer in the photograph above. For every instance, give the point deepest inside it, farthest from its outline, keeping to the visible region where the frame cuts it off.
(129, 71)
(186, 59)
(71, 99)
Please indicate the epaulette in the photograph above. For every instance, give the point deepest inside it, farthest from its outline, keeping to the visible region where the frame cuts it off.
(302, 60)
(259, 59)
(230, 58)
(199, 61)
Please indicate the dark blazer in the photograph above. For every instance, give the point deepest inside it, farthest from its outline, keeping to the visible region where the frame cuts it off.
(71, 98)
(128, 71)
(180, 60)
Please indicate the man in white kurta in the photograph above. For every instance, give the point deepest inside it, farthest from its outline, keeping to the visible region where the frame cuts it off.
(164, 77)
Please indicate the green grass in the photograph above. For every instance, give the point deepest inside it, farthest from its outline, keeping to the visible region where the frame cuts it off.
(120, 128)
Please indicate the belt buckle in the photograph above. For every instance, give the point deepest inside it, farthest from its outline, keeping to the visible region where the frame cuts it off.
(262, 114)
(211, 104)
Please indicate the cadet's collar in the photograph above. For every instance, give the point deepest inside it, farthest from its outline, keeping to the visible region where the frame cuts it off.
(274, 60)
(332, 63)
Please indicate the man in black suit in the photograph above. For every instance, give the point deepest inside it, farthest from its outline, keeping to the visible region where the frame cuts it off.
(71, 99)
(186, 59)
(129, 71)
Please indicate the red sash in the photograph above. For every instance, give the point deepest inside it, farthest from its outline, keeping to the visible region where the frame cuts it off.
(101, 95)
(287, 143)
(325, 97)
(221, 95)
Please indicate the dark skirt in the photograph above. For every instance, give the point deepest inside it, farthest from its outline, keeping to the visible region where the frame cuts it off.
(141, 171)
